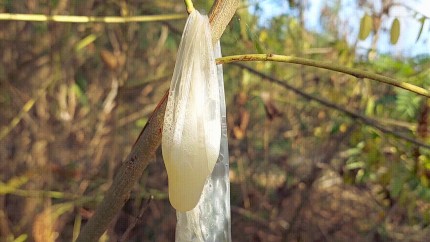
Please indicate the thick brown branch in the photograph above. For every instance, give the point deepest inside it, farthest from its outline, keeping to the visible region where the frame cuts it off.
(220, 15)
(129, 173)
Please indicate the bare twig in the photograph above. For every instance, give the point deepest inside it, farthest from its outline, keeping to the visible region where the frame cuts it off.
(251, 216)
(190, 6)
(324, 65)
(25, 109)
(366, 120)
(87, 19)
(138, 219)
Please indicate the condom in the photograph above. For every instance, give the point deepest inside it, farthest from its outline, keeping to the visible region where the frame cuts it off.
(210, 220)
(192, 122)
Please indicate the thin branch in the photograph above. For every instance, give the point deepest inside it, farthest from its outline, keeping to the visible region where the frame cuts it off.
(251, 216)
(25, 109)
(137, 220)
(87, 19)
(129, 173)
(366, 120)
(325, 65)
(190, 6)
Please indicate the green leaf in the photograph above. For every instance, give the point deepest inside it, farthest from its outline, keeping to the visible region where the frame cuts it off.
(140, 123)
(81, 82)
(21, 238)
(365, 27)
(370, 107)
(355, 165)
(13, 184)
(82, 96)
(407, 105)
(395, 31)
(422, 21)
(85, 42)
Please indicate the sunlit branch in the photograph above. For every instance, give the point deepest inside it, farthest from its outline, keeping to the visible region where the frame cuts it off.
(324, 65)
(88, 19)
(189, 5)
(366, 120)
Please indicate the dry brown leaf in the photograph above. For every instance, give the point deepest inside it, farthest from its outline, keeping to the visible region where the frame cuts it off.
(43, 227)
(109, 59)
(271, 110)
(45, 222)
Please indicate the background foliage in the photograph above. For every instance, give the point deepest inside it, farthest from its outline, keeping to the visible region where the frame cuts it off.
(79, 95)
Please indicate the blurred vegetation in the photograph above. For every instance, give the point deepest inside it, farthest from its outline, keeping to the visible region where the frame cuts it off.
(79, 94)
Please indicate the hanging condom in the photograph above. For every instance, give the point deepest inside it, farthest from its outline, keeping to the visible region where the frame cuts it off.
(210, 220)
(192, 122)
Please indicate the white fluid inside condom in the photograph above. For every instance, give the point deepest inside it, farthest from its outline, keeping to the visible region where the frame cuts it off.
(192, 123)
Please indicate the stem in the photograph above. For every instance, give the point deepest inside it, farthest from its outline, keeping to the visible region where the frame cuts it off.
(324, 65)
(364, 119)
(190, 6)
(88, 19)
(25, 109)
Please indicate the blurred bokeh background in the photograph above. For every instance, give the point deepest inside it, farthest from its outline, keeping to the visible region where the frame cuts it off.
(74, 97)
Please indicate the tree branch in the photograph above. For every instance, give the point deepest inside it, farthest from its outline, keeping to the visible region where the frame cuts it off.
(366, 120)
(324, 65)
(190, 6)
(87, 19)
(220, 15)
(144, 148)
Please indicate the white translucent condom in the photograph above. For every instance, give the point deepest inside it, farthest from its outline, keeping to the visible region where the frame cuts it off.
(192, 122)
(210, 221)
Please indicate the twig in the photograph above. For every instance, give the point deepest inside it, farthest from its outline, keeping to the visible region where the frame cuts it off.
(138, 219)
(25, 109)
(87, 19)
(324, 65)
(190, 6)
(251, 216)
(362, 118)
